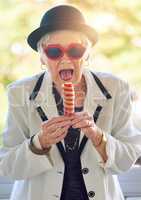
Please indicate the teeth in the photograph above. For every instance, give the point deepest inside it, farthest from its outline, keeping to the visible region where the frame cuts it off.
(66, 70)
(66, 74)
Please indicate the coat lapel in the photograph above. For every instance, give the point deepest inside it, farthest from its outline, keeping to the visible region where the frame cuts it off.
(46, 100)
(45, 97)
(94, 96)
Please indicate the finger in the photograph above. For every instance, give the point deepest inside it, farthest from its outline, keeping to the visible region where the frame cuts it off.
(53, 127)
(63, 124)
(83, 124)
(63, 134)
(82, 118)
(55, 120)
(59, 132)
(60, 138)
(57, 126)
(82, 113)
(53, 139)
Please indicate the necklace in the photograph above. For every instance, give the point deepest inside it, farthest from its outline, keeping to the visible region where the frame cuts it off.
(72, 138)
(73, 147)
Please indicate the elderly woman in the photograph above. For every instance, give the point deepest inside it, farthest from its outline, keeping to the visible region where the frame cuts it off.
(53, 156)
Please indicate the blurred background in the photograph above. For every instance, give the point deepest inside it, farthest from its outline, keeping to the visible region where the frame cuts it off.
(118, 51)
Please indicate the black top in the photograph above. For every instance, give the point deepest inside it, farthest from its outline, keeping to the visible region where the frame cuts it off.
(73, 183)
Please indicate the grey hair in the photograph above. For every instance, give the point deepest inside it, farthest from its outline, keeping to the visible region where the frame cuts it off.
(43, 40)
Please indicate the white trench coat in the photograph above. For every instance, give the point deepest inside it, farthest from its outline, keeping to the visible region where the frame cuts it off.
(41, 176)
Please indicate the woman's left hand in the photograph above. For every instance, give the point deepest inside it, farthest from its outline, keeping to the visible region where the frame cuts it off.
(86, 123)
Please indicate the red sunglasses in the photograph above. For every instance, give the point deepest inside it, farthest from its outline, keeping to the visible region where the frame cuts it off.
(56, 51)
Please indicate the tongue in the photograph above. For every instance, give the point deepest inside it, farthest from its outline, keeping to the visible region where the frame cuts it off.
(66, 74)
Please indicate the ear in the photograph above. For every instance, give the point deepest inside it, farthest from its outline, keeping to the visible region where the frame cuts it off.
(87, 57)
(42, 61)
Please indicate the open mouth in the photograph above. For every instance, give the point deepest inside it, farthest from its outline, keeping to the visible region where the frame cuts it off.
(66, 74)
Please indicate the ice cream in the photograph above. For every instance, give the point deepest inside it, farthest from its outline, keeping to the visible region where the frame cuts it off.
(68, 98)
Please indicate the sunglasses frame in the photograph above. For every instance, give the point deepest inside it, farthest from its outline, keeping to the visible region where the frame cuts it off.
(64, 50)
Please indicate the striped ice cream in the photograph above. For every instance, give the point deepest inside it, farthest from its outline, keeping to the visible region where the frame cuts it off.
(68, 98)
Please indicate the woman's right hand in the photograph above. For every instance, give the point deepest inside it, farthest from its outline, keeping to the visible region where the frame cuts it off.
(54, 130)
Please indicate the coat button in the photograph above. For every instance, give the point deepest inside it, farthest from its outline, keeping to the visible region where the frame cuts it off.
(85, 170)
(91, 194)
(55, 195)
(59, 172)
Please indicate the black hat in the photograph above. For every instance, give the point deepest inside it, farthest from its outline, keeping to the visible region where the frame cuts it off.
(62, 17)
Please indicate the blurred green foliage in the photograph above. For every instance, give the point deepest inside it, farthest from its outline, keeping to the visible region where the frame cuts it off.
(118, 50)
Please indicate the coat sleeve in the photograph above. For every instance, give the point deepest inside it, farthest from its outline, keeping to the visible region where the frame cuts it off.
(124, 142)
(16, 159)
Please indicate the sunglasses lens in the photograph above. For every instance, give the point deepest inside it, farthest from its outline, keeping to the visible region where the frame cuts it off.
(76, 52)
(53, 52)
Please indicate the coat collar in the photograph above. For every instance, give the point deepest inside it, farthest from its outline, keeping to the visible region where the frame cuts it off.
(45, 94)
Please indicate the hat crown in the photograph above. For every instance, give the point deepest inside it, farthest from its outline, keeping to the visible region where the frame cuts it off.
(62, 14)
(62, 17)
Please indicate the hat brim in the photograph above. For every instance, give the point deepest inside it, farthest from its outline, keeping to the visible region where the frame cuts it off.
(37, 34)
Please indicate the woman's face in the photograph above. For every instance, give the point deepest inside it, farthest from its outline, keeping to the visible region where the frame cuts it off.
(65, 68)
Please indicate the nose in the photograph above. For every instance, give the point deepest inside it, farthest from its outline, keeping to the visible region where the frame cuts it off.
(65, 59)
(65, 56)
